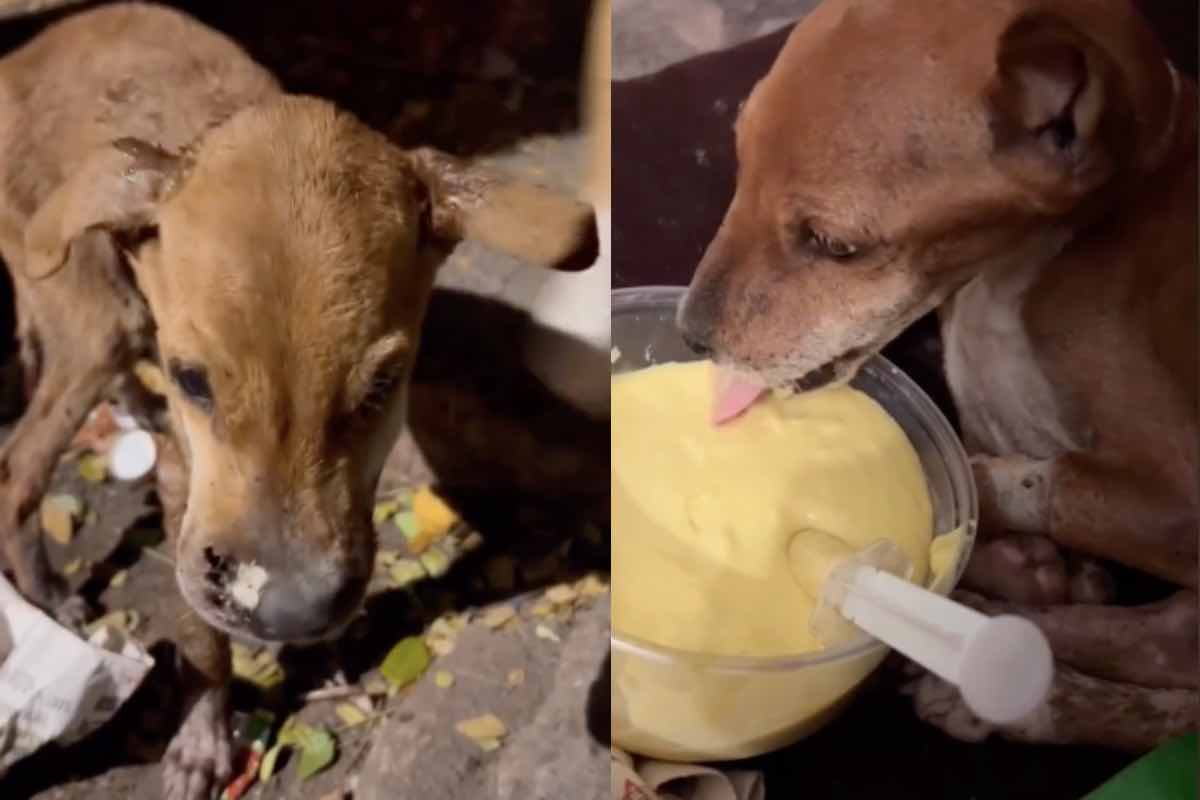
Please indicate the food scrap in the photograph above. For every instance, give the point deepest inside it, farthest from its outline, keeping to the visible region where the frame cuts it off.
(434, 518)
(443, 679)
(350, 714)
(93, 468)
(545, 632)
(515, 678)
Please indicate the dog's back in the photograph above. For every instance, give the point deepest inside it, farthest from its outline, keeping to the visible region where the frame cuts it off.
(127, 70)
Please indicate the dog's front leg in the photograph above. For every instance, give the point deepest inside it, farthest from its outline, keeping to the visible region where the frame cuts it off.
(1120, 514)
(198, 759)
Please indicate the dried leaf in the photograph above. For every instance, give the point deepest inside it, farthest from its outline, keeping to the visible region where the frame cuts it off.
(498, 616)
(93, 468)
(406, 571)
(515, 678)
(125, 621)
(406, 521)
(59, 513)
(257, 668)
(267, 768)
(443, 679)
(150, 376)
(350, 714)
(591, 586)
(406, 662)
(317, 751)
(384, 511)
(435, 562)
(562, 594)
(118, 580)
(71, 567)
(441, 647)
(544, 632)
(486, 731)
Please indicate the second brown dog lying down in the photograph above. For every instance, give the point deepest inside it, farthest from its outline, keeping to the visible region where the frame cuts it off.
(163, 199)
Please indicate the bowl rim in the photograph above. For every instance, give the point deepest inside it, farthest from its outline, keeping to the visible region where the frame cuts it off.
(866, 645)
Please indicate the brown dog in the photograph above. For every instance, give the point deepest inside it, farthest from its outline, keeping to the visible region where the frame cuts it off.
(163, 199)
(1028, 167)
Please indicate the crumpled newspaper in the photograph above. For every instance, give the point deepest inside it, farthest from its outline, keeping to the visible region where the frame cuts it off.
(55, 686)
(658, 780)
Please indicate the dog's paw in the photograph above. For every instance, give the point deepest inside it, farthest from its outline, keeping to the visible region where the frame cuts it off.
(940, 704)
(73, 613)
(199, 759)
(1019, 568)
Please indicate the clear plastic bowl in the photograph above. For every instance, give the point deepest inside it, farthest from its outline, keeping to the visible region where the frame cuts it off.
(682, 706)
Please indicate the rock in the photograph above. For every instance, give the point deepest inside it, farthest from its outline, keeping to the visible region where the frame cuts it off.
(547, 753)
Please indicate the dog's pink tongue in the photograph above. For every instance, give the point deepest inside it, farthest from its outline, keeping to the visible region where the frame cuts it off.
(736, 392)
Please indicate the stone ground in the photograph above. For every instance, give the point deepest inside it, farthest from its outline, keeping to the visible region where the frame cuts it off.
(498, 81)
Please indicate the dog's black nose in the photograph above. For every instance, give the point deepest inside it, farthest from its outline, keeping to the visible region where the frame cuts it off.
(696, 345)
(294, 608)
(280, 603)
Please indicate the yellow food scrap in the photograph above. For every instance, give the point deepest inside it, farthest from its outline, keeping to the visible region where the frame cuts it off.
(443, 679)
(384, 511)
(93, 468)
(118, 580)
(434, 518)
(435, 562)
(542, 609)
(498, 616)
(486, 731)
(71, 567)
(515, 678)
(545, 632)
(124, 621)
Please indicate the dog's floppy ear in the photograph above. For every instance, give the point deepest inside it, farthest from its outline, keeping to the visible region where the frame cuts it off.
(1051, 104)
(532, 223)
(116, 188)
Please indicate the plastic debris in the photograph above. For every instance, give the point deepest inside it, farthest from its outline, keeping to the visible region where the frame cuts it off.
(132, 456)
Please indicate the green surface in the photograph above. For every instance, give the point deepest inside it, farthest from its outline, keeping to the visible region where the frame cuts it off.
(1168, 773)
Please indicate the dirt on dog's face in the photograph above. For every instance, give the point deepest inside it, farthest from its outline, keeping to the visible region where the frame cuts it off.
(893, 152)
(289, 293)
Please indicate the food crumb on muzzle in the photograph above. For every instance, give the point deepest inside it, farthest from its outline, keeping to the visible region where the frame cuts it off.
(247, 585)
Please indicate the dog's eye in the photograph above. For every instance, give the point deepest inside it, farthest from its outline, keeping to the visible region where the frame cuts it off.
(826, 246)
(193, 382)
(383, 386)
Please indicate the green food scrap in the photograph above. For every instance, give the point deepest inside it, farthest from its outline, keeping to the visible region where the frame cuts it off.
(435, 562)
(350, 714)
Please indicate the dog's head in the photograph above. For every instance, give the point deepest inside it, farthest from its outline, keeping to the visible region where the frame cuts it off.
(288, 260)
(895, 150)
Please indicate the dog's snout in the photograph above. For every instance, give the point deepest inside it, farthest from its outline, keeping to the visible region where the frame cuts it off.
(276, 602)
(697, 345)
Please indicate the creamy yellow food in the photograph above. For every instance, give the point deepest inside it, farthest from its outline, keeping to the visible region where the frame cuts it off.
(703, 515)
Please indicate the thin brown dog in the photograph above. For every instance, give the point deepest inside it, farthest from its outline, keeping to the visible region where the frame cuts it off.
(162, 199)
(1028, 168)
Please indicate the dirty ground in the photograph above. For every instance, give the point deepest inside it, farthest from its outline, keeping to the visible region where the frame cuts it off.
(514, 586)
